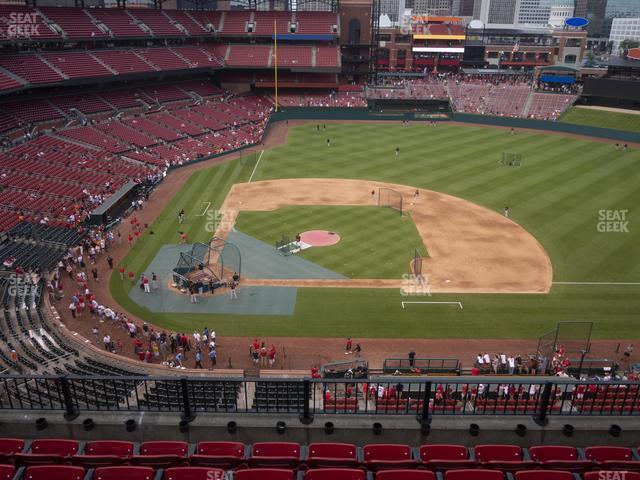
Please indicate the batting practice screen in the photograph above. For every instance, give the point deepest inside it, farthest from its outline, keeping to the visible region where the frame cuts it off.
(390, 198)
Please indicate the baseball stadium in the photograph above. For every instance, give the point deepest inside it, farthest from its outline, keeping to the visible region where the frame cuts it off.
(318, 239)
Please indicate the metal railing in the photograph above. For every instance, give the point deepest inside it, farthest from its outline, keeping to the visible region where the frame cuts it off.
(398, 395)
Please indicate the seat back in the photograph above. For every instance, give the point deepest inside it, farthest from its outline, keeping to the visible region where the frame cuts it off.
(386, 452)
(546, 453)
(492, 453)
(123, 473)
(443, 452)
(405, 475)
(543, 475)
(602, 454)
(332, 450)
(7, 472)
(55, 447)
(9, 446)
(54, 472)
(221, 449)
(164, 448)
(109, 447)
(474, 474)
(193, 473)
(276, 449)
(334, 474)
(264, 474)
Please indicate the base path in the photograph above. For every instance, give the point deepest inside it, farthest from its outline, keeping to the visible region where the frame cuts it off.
(471, 248)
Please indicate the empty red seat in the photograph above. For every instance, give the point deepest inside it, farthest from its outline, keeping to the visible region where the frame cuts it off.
(264, 474)
(54, 472)
(225, 455)
(543, 475)
(388, 457)
(7, 472)
(554, 457)
(324, 455)
(48, 452)
(161, 454)
(275, 454)
(9, 447)
(474, 474)
(507, 458)
(334, 474)
(104, 453)
(193, 473)
(405, 475)
(445, 457)
(123, 473)
(612, 458)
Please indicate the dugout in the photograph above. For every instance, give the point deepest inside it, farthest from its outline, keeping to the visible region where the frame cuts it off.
(115, 205)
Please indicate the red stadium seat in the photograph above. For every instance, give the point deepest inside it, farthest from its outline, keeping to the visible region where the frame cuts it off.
(612, 458)
(325, 455)
(264, 474)
(104, 453)
(193, 473)
(225, 455)
(507, 458)
(9, 447)
(48, 452)
(553, 457)
(54, 472)
(123, 473)
(543, 475)
(275, 455)
(474, 474)
(388, 457)
(405, 475)
(445, 457)
(161, 454)
(335, 474)
(7, 472)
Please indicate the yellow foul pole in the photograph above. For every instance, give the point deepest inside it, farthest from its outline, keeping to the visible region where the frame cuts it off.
(275, 58)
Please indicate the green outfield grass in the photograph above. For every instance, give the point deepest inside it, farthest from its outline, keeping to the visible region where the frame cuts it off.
(602, 118)
(374, 242)
(557, 194)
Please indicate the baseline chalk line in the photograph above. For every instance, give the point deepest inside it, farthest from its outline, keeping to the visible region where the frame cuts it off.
(440, 303)
(256, 166)
(205, 209)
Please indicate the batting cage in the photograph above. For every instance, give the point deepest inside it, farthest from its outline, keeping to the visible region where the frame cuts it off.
(390, 198)
(207, 263)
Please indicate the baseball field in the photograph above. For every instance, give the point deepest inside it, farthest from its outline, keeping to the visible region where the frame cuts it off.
(573, 199)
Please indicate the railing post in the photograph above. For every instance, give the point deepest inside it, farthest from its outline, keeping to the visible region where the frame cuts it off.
(187, 414)
(305, 417)
(543, 405)
(424, 418)
(70, 411)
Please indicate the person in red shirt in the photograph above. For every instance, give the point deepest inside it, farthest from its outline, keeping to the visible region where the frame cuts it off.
(348, 346)
(255, 346)
(263, 355)
(130, 238)
(141, 355)
(272, 355)
(149, 356)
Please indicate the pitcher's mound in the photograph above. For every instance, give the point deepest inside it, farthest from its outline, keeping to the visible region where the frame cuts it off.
(320, 238)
